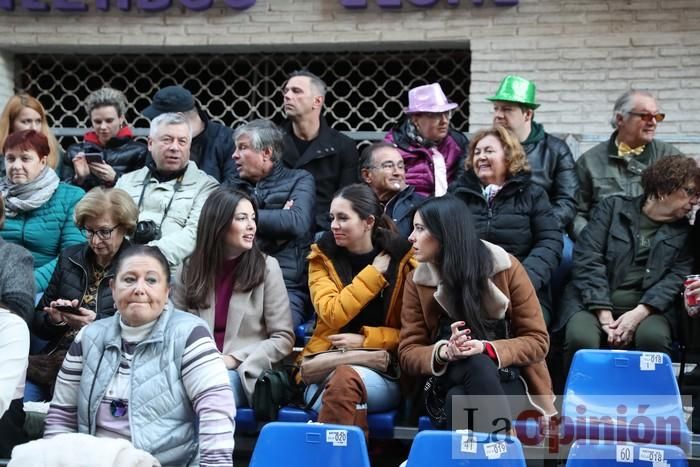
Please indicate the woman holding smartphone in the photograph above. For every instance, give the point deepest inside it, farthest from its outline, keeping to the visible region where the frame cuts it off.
(108, 150)
(471, 320)
(79, 291)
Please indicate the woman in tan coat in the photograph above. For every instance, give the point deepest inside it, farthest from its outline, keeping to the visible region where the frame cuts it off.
(471, 320)
(237, 290)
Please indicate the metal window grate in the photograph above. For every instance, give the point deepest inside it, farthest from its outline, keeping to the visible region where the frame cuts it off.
(367, 90)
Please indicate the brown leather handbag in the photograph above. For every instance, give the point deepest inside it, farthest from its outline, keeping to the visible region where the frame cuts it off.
(316, 367)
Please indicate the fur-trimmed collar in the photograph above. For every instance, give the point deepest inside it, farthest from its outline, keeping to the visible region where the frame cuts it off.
(494, 303)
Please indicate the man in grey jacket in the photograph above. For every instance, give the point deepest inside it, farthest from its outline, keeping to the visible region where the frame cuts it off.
(170, 191)
(286, 199)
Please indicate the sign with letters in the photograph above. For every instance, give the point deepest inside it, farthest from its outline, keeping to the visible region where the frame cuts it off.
(78, 6)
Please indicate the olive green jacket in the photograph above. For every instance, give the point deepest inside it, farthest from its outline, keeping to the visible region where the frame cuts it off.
(606, 250)
(603, 173)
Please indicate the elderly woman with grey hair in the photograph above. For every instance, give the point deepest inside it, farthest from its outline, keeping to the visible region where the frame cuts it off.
(286, 201)
(108, 149)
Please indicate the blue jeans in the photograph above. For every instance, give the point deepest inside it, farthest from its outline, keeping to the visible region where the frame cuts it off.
(382, 394)
(237, 388)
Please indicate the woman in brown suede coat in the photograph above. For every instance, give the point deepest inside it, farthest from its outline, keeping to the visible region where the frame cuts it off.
(471, 320)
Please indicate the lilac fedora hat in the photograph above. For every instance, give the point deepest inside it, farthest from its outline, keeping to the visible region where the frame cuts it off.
(428, 98)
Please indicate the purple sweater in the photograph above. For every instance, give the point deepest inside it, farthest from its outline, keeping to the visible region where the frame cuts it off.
(420, 172)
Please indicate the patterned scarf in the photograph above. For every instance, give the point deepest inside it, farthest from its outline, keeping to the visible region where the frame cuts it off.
(22, 197)
(490, 192)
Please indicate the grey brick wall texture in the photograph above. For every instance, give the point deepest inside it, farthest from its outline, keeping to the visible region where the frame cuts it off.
(581, 53)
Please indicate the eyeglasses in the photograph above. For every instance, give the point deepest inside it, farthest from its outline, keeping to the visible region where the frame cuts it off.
(691, 192)
(438, 115)
(102, 234)
(648, 116)
(118, 408)
(389, 166)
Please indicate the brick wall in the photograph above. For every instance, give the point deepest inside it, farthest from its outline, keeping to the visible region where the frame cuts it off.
(581, 53)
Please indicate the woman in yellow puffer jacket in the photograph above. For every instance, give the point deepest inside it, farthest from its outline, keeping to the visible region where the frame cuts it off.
(356, 279)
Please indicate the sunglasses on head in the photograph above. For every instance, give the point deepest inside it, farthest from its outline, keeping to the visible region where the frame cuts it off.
(118, 408)
(648, 116)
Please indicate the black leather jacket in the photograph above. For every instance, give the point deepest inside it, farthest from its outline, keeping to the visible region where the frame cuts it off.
(553, 168)
(123, 154)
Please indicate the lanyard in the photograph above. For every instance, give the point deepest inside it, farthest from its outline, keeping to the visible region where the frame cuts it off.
(147, 181)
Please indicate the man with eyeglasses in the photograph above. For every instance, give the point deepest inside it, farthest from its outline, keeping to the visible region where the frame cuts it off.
(312, 145)
(615, 166)
(382, 168)
(432, 150)
(550, 158)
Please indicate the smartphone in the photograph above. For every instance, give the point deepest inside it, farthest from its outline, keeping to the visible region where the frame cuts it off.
(94, 157)
(68, 309)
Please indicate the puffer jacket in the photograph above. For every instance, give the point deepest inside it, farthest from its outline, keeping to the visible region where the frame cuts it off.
(46, 231)
(69, 281)
(603, 173)
(520, 221)
(420, 172)
(338, 297)
(163, 417)
(605, 251)
(332, 160)
(553, 168)
(122, 152)
(212, 150)
(285, 234)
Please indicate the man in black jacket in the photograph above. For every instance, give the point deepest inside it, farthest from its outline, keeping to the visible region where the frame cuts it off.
(312, 145)
(212, 143)
(382, 168)
(550, 158)
(285, 199)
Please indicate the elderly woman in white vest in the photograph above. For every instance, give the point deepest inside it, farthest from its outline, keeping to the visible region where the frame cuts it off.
(149, 374)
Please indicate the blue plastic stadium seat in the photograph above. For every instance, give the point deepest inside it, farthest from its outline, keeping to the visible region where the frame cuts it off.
(303, 333)
(528, 431)
(381, 424)
(246, 421)
(310, 445)
(586, 453)
(623, 396)
(456, 449)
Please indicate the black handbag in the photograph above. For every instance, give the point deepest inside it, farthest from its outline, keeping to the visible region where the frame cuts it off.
(274, 389)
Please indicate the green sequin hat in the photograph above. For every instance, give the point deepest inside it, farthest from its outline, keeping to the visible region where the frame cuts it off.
(516, 89)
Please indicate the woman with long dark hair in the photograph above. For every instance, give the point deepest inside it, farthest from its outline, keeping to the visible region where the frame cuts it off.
(471, 318)
(356, 277)
(237, 290)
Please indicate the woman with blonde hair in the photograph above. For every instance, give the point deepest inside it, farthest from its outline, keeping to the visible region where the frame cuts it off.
(23, 112)
(78, 292)
(108, 149)
(509, 209)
